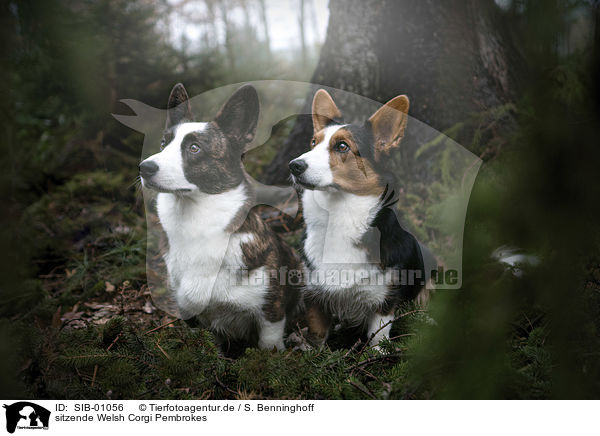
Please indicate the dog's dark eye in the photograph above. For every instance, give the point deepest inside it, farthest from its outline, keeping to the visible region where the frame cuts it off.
(313, 143)
(194, 148)
(341, 147)
(162, 144)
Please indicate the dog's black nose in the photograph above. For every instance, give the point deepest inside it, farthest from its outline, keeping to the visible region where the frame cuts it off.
(148, 168)
(298, 166)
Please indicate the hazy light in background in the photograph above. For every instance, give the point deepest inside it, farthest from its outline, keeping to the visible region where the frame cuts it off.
(283, 22)
(194, 25)
(504, 4)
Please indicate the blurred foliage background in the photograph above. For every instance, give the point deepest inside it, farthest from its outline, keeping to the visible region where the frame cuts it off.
(76, 317)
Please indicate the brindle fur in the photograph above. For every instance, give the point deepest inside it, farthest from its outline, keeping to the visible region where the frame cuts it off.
(217, 169)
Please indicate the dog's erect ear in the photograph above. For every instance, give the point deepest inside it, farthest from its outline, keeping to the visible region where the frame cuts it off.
(324, 110)
(178, 107)
(239, 115)
(388, 124)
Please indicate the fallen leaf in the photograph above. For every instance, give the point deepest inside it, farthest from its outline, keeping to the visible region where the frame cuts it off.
(96, 306)
(67, 316)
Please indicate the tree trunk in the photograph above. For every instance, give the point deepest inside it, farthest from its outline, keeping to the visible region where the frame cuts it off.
(265, 24)
(301, 23)
(228, 36)
(451, 58)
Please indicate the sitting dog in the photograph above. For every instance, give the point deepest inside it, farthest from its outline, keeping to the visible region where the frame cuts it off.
(359, 262)
(224, 263)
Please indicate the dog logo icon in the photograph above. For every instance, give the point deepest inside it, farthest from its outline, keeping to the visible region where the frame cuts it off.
(26, 415)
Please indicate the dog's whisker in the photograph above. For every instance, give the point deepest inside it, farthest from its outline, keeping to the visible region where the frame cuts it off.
(137, 182)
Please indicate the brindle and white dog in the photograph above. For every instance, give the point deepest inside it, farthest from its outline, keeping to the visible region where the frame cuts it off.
(224, 263)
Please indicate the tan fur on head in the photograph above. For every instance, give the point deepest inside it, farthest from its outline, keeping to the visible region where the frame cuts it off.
(389, 123)
(324, 110)
(351, 172)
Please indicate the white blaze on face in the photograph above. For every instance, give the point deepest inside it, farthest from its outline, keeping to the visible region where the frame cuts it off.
(318, 171)
(170, 175)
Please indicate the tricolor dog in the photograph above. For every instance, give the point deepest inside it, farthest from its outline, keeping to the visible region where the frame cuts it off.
(223, 262)
(360, 263)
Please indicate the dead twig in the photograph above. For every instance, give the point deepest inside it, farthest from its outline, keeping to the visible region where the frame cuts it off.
(354, 347)
(371, 360)
(94, 376)
(368, 374)
(224, 386)
(114, 341)
(161, 326)
(363, 389)
(162, 350)
(402, 336)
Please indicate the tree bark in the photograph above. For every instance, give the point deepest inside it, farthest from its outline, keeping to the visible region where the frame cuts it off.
(301, 23)
(451, 58)
(265, 24)
(228, 36)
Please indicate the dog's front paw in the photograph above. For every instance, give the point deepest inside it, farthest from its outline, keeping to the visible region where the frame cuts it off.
(305, 346)
(379, 349)
(271, 346)
(297, 340)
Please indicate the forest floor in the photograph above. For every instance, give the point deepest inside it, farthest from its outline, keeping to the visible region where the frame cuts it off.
(87, 326)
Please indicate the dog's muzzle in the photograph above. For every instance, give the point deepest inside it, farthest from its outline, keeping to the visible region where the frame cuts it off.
(148, 169)
(298, 166)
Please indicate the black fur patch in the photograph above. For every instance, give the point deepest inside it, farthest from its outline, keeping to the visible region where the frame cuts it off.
(399, 250)
(217, 167)
(363, 136)
(239, 116)
(179, 109)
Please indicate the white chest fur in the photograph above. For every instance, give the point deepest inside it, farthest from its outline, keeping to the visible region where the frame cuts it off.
(341, 270)
(336, 223)
(204, 256)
